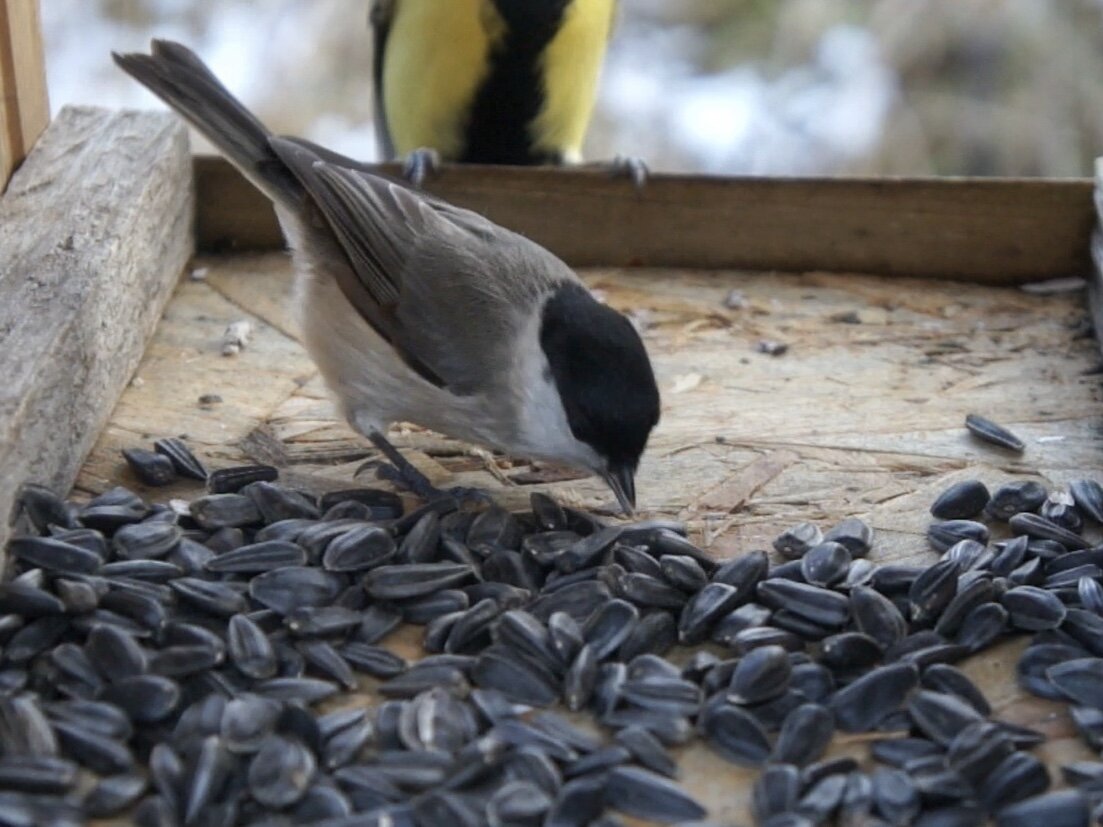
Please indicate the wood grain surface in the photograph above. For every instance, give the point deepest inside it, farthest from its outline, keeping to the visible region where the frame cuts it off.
(95, 229)
(991, 230)
(862, 415)
(24, 102)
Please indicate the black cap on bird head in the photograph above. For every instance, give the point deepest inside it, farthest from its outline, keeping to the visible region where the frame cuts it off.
(605, 382)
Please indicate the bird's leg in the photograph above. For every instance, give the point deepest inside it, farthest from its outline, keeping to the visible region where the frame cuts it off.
(420, 164)
(633, 168)
(402, 473)
(624, 166)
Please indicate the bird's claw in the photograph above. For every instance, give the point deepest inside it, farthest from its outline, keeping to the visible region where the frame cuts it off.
(420, 164)
(631, 167)
(401, 473)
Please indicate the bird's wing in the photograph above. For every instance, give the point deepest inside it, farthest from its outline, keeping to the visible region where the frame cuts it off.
(446, 287)
(380, 17)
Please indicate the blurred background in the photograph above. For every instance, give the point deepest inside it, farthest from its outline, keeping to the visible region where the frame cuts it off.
(773, 87)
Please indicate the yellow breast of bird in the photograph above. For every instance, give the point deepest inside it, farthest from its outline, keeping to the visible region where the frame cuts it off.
(441, 53)
(435, 61)
(572, 65)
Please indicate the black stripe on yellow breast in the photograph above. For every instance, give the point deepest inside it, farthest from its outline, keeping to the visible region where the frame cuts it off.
(500, 121)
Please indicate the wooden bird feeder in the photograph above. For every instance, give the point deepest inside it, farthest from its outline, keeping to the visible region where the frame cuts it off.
(123, 259)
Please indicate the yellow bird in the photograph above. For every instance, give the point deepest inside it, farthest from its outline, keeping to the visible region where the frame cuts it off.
(487, 81)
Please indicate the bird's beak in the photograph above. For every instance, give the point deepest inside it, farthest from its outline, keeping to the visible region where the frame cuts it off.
(623, 482)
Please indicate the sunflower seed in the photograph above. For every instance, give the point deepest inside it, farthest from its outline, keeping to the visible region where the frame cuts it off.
(360, 549)
(258, 557)
(823, 798)
(902, 752)
(942, 536)
(112, 509)
(1033, 609)
(292, 587)
(217, 511)
(876, 616)
(1079, 680)
(414, 580)
(147, 699)
(232, 480)
(644, 794)
(147, 540)
(278, 503)
(854, 534)
(587, 550)
(249, 647)
(826, 564)
(977, 750)
(775, 792)
(969, 597)
(114, 793)
(1064, 808)
(1015, 498)
(54, 555)
(794, 542)
(821, 606)
(804, 735)
(607, 628)
(327, 661)
(683, 572)
(521, 682)
(385, 505)
(28, 601)
(296, 690)
(961, 501)
(735, 735)
(578, 803)
(932, 591)
(863, 703)
(940, 716)
(44, 508)
(37, 774)
(982, 626)
(988, 431)
(183, 460)
(895, 797)
(1088, 496)
(743, 573)
(281, 772)
(217, 598)
(1038, 527)
(1018, 776)
(945, 678)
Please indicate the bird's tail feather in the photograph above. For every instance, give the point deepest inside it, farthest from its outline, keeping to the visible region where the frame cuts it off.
(176, 75)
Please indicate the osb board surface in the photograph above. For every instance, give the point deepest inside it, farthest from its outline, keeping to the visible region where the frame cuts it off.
(862, 415)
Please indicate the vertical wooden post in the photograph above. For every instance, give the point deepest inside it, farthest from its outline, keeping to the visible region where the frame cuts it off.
(24, 105)
(1095, 278)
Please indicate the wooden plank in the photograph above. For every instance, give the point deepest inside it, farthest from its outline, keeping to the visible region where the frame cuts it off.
(25, 108)
(1095, 277)
(995, 231)
(863, 415)
(94, 231)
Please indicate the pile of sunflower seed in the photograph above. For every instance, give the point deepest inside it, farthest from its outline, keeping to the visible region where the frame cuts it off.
(184, 663)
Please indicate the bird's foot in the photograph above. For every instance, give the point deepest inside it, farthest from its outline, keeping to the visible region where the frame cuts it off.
(402, 473)
(420, 164)
(631, 167)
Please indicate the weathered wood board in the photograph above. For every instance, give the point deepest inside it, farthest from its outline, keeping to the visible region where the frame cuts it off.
(992, 230)
(24, 103)
(95, 230)
(861, 416)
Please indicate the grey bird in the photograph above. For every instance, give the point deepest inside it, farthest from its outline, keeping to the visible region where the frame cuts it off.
(416, 310)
